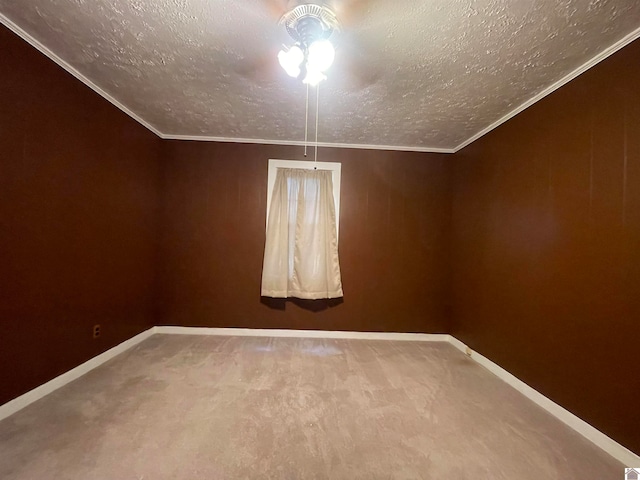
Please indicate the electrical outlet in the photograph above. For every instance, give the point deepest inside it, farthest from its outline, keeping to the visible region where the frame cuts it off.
(96, 331)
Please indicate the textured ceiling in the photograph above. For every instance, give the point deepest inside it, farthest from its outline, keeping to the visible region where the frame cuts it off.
(417, 74)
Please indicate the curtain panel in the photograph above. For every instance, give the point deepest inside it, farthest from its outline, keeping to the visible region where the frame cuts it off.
(301, 248)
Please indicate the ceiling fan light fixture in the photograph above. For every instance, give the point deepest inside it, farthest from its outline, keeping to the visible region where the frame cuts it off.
(290, 60)
(321, 55)
(309, 25)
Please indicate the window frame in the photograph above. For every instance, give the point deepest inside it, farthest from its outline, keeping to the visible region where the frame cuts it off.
(336, 174)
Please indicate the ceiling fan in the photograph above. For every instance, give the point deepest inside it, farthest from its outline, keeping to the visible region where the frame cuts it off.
(310, 25)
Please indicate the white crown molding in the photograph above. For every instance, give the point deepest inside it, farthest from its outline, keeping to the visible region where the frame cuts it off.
(613, 448)
(37, 393)
(299, 143)
(402, 148)
(607, 52)
(73, 71)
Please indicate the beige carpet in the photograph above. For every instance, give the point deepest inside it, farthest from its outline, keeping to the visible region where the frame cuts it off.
(198, 407)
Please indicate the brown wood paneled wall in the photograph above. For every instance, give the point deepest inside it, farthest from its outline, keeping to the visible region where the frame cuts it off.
(79, 195)
(394, 247)
(546, 246)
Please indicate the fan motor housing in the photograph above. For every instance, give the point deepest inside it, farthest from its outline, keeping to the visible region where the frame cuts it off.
(309, 22)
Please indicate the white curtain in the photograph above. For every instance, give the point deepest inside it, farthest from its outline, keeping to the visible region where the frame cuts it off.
(301, 249)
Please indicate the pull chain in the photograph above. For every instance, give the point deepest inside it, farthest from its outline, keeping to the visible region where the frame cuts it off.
(317, 115)
(306, 123)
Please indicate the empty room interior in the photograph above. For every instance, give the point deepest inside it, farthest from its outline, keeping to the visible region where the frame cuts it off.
(455, 295)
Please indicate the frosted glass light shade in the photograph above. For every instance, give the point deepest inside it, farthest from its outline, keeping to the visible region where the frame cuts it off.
(314, 77)
(290, 60)
(321, 55)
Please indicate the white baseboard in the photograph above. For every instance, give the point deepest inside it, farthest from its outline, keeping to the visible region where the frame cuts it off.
(37, 393)
(266, 332)
(617, 451)
(595, 436)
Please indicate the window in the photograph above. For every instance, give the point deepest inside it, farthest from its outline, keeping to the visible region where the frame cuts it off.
(301, 247)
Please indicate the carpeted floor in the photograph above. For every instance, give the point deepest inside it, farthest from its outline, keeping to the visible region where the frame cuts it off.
(206, 407)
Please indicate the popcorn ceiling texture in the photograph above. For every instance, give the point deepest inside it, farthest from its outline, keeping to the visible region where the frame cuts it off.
(424, 74)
